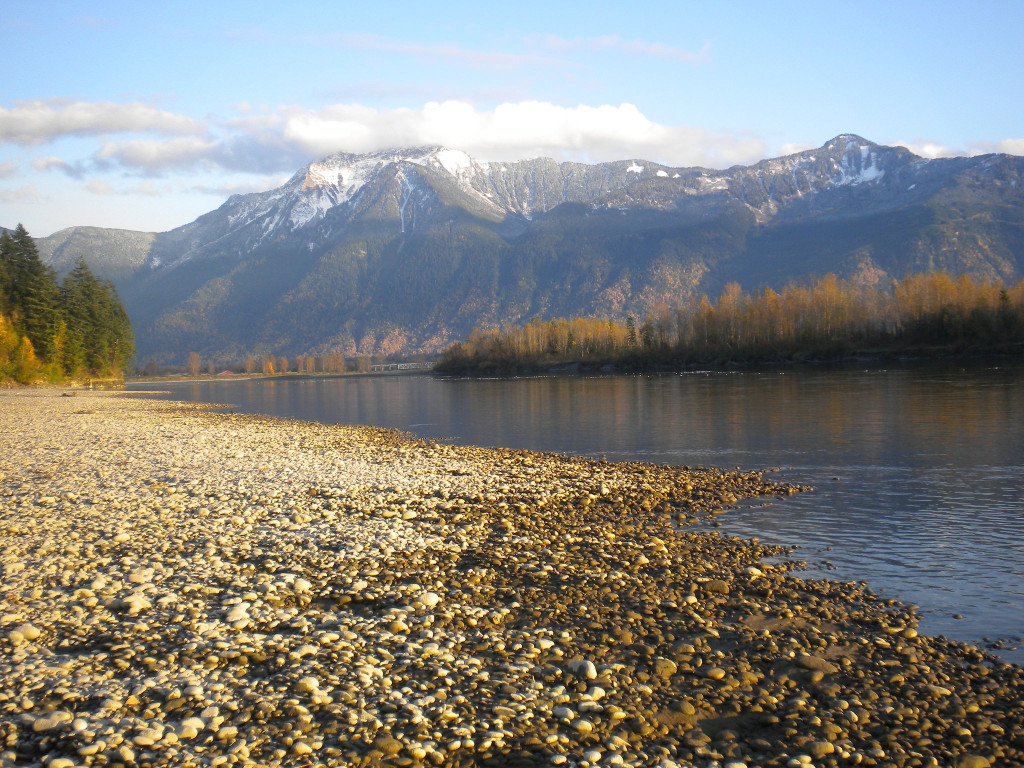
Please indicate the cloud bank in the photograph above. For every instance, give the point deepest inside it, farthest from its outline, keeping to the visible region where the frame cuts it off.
(140, 140)
(32, 123)
(158, 143)
(933, 149)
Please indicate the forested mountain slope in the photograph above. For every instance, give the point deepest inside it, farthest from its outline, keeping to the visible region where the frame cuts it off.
(408, 250)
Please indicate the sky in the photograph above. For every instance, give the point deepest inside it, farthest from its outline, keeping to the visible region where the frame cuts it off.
(144, 116)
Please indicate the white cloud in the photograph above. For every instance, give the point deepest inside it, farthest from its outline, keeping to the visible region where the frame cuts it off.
(1006, 146)
(476, 58)
(283, 141)
(146, 188)
(613, 43)
(480, 59)
(1011, 146)
(24, 194)
(46, 163)
(271, 143)
(929, 149)
(932, 149)
(32, 123)
(7, 169)
(795, 147)
(99, 187)
(240, 188)
(158, 155)
(515, 131)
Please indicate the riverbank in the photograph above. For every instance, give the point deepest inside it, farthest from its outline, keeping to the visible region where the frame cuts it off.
(189, 588)
(664, 363)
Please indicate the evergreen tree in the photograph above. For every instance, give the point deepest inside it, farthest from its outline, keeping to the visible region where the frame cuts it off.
(31, 289)
(99, 334)
(6, 245)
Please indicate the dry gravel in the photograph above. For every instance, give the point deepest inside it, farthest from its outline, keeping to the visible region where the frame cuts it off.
(185, 588)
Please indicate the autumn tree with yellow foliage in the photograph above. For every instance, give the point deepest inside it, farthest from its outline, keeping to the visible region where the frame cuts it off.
(831, 319)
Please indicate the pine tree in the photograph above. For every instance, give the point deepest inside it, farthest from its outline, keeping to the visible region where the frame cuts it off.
(31, 289)
(99, 332)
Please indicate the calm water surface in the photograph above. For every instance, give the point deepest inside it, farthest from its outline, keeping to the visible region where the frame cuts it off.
(918, 472)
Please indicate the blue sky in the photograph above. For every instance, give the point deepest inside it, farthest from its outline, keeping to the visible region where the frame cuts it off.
(144, 116)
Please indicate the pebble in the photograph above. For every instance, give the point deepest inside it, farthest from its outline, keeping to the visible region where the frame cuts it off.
(190, 588)
(816, 663)
(583, 668)
(307, 684)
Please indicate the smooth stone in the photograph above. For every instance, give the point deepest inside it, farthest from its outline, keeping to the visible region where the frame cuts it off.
(665, 667)
(28, 631)
(821, 748)
(307, 685)
(816, 663)
(388, 745)
(583, 668)
(52, 720)
(430, 599)
(146, 738)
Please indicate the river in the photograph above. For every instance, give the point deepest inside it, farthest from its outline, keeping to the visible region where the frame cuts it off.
(918, 471)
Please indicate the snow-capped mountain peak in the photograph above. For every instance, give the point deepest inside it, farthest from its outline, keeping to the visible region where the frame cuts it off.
(407, 188)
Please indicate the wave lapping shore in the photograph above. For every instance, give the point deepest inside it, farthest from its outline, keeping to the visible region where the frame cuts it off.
(187, 588)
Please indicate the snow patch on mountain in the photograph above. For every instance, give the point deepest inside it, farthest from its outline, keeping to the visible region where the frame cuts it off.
(856, 169)
(335, 180)
(453, 161)
(635, 168)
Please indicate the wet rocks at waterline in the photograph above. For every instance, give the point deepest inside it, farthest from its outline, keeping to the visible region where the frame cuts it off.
(193, 589)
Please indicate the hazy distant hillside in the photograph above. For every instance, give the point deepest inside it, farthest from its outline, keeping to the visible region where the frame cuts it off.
(114, 254)
(408, 250)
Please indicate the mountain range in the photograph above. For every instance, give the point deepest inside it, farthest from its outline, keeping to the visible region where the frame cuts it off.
(407, 250)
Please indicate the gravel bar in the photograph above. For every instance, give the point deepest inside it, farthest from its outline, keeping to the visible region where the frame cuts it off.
(189, 588)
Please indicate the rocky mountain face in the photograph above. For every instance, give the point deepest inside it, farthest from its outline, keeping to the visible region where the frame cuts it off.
(408, 250)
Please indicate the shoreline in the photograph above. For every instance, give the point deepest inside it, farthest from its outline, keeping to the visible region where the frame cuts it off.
(184, 587)
(656, 365)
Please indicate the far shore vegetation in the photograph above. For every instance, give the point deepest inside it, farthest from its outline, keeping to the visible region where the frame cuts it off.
(926, 315)
(57, 332)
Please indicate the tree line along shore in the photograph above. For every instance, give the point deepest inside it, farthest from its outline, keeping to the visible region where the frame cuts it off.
(54, 331)
(924, 315)
(58, 331)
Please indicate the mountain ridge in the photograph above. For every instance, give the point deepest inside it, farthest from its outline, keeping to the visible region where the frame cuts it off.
(406, 250)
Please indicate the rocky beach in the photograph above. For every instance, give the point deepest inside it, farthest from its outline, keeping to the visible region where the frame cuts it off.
(189, 588)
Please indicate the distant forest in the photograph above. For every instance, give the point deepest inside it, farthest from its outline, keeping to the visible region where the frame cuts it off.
(923, 315)
(54, 331)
